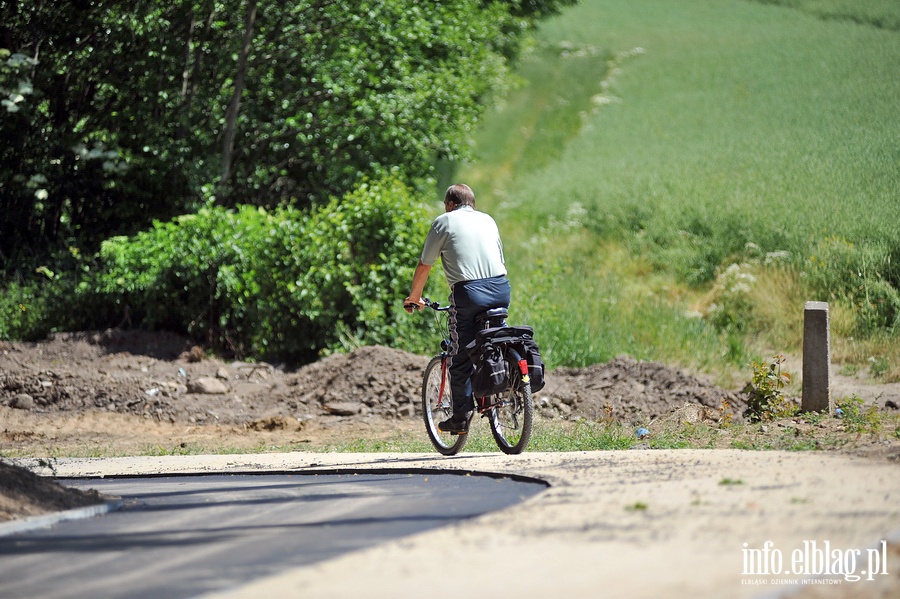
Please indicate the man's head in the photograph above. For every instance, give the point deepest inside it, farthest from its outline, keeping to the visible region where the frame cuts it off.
(458, 195)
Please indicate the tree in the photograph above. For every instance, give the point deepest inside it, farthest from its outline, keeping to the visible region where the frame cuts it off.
(92, 152)
(235, 105)
(345, 94)
(143, 109)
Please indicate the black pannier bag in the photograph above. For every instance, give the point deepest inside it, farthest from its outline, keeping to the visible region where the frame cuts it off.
(532, 355)
(521, 338)
(490, 375)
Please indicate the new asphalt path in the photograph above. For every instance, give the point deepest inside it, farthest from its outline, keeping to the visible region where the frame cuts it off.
(638, 523)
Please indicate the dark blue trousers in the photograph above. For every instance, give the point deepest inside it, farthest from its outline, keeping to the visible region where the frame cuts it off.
(468, 299)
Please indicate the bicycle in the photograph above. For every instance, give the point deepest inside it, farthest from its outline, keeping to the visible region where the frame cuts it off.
(510, 412)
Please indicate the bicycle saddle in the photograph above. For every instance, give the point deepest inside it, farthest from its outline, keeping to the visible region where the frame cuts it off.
(492, 313)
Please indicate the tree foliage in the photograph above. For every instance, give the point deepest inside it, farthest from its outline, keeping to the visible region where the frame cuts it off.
(116, 113)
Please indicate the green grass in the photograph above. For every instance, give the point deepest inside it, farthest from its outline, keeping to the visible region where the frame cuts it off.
(547, 436)
(861, 429)
(735, 105)
(671, 138)
(730, 482)
(802, 433)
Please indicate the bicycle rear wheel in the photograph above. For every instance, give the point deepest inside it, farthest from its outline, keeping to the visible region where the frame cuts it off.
(511, 414)
(437, 405)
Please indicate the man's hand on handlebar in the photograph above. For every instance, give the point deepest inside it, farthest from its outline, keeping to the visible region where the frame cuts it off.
(410, 304)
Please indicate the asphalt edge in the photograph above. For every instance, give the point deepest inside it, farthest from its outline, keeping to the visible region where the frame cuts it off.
(336, 470)
(48, 520)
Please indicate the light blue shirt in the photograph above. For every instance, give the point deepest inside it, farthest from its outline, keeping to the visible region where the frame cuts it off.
(468, 244)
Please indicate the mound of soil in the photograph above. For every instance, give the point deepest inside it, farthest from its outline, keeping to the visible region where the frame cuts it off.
(27, 494)
(634, 391)
(161, 378)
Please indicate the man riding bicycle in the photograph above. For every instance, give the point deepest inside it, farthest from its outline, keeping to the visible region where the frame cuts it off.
(468, 244)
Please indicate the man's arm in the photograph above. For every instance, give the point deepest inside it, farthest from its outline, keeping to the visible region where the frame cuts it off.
(420, 277)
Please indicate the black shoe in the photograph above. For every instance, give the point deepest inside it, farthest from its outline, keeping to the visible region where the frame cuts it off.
(458, 424)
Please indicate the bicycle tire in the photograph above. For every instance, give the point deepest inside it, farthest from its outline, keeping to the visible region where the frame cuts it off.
(438, 406)
(512, 414)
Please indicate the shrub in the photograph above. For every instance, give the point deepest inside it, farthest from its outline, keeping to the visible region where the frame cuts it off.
(731, 307)
(194, 274)
(765, 400)
(282, 283)
(23, 311)
(338, 280)
(865, 275)
(858, 417)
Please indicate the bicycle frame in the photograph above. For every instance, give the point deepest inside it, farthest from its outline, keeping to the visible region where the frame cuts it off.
(509, 412)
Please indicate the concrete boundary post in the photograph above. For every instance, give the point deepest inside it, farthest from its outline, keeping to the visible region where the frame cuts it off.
(816, 358)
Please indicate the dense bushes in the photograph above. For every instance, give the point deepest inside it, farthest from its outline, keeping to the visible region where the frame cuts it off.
(22, 311)
(866, 276)
(280, 283)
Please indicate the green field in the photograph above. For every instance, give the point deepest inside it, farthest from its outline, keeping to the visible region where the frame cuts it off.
(653, 144)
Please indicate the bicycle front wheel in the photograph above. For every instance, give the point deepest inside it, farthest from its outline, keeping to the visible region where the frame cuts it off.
(511, 414)
(437, 405)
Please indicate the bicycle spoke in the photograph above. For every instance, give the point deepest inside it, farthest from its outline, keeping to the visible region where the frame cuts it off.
(438, 406)
(511, 418)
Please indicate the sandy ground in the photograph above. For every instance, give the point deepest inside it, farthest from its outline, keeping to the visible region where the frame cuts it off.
(639, 523)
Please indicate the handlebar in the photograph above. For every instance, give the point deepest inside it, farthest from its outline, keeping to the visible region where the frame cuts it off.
(430, 304)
